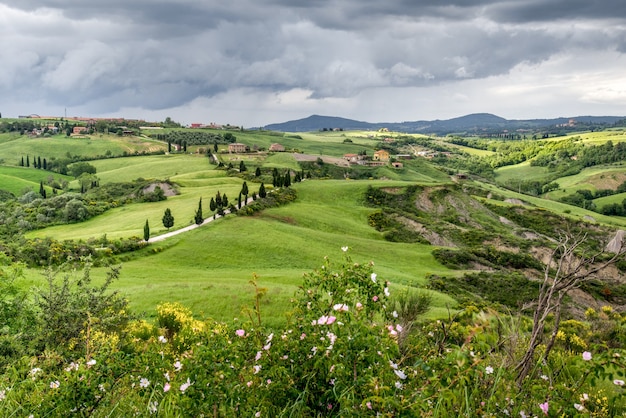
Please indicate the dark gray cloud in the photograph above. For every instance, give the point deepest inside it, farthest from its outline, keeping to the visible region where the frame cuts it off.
(104, 56)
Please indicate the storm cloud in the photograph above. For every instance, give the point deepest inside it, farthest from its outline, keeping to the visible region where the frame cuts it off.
(255, 62)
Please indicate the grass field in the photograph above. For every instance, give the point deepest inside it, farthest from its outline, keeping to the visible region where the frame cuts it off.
(209, 268)
(60, 146)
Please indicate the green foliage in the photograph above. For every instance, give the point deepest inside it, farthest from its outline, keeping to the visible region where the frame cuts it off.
(198, 218)
(79, 168)
(72, 309)
(146, 231)
(168, 219)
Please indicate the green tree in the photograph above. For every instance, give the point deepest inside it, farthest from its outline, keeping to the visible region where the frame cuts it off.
(146, 231)
(168, 219)
(242, 166)
(262, 192)
(198, 218)
(244, 190)
(257, 172)
(42, 190)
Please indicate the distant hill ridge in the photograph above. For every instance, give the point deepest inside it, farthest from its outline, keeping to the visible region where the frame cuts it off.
(469, 123)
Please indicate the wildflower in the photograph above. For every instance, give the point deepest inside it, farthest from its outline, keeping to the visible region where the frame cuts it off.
(314, 350)
(489, 370)
(166, 375)
(256, 368)
(375, 298)
(258, 356)
(249, 383)
(399, 328)
(400, 374)
(373, 277)
(185, 386)
(618, 382)
(91, 362)
(522, 414)
(393, 365)
(386, 291)
(586, 356)
(341, 307)
(55, 384)
(267, 346)
(344, 249)
(269, 337)
(302, 336)
(101, 388)
(144, 383)
(544, 377)
(3, 394)
(71, 366)
(258, 414)
(166, 387)
(178, 366)
(544, 407)
(240, 333)
(269, 381)
(398, 385)
(162, 339)
(579, 407)
(369, 405)
(394, 314)
(34, 371)
(392, 331)
(359, 305)
(153, 407)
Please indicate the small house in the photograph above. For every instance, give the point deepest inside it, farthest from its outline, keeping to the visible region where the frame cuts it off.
(277, 148)
(237, 148)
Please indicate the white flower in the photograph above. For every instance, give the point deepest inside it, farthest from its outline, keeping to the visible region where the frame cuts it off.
(162, 339)
(258, 414)
(185, 386)
(341, 307)
(178, 365)
(256, 368)
(394, 314)
(267, 346)
(71, 366)
(3, 394)
(489, 370)
(579, 407)
(55, 384)
(153, 407)
(398, 385)
(144, 383)
(386, 291)
(618, 382)
(258, 355)
(400, 374)
(344, 249)
(101, 388)
(373, 277)
(544, 377)
(34, 371)
(91, 362)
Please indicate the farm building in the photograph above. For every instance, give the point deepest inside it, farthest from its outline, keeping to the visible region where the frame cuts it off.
(237, 148)
(277, 147)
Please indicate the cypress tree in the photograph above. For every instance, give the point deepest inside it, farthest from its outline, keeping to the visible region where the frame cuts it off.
(239, 201)
(146, 231)
(257, 172)
(242, 166)
(22, 162)
(198, 218)
(262, 192)
(39, 162)
(45, 164)
(244, 190)
(224, 200)
(27, 161)
(42, 190)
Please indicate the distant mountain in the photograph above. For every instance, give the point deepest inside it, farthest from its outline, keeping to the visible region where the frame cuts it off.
(477, 122)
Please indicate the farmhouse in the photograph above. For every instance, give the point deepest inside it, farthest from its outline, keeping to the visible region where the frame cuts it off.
(77, 130)
(237, 148)
(381, 155)
(277, 148)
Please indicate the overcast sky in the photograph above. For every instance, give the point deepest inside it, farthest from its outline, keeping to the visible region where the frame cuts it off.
(256, 62)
